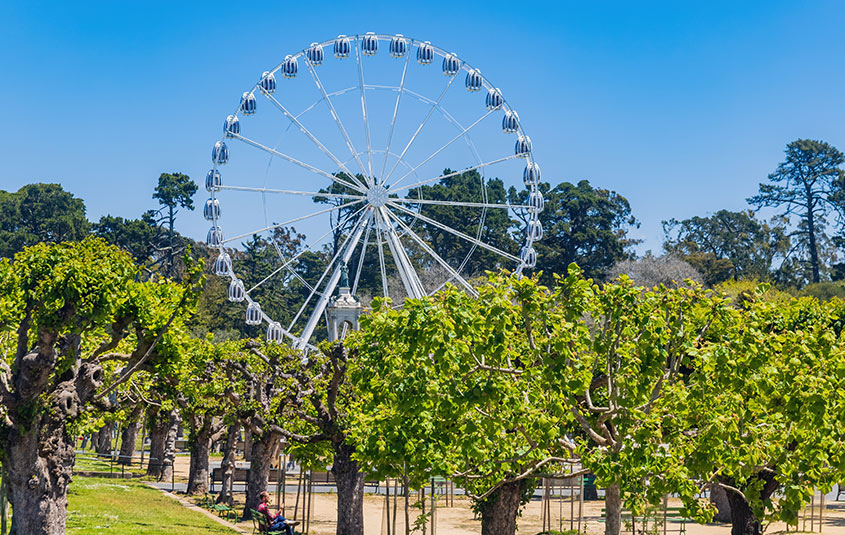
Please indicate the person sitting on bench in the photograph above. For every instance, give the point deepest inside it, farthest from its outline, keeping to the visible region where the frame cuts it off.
(274, 523)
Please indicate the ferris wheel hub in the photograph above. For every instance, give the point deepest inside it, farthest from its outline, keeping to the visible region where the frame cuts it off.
(377, 195)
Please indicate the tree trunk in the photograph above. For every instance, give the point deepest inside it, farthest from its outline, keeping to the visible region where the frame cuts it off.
(265, 448)
(103, 440)
(612, 509)
(162, 443)
(228, 465)
(170, 446)
(39, 472)
(247, 445)
(159, 423)
(719, 498)
(130, 434)
(500, 509)
(811, 234)
(201, 431)
(743, 521)
(350, 492)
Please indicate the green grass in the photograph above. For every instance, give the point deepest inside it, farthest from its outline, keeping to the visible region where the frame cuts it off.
(89, 463)
(99, 506)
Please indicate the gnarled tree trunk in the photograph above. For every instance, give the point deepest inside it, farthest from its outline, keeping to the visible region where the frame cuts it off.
(103, 440)
(350, 492)
(38, 450)
(130, 435)
(39, 472)
(247, 444)
(743, 521)
(200, 440)
(159, 422)
(265, 448)
(500, 509)
(719, 498)
(162, 443)
(612, 509)
(227, 467)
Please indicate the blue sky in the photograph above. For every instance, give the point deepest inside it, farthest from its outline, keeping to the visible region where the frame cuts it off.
(681, 107)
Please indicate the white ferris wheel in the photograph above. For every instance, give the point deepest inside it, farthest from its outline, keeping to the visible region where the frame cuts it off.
(383, 168)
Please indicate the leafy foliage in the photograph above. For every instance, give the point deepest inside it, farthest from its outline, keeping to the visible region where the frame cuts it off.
(39, 213)
(727, 245)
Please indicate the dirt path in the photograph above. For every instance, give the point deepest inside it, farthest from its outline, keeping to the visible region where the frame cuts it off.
(459, 520)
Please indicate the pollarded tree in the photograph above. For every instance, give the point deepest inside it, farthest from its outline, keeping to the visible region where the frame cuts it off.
(805, 184)
(256, 382)
(69, 308)
(763, 411)
(451, 385)
(203, 386)
(312, 414)
(490, 390)
(281, 396)
(630, 345)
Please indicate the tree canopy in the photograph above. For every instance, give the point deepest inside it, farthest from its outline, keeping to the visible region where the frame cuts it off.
(39, 213)
(806, 185)
(728, 245)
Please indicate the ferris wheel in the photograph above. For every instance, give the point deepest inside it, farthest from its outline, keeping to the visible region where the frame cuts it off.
(369, 162)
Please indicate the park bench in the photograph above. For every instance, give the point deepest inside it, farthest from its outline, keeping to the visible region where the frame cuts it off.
(224, 510)
(259, 524)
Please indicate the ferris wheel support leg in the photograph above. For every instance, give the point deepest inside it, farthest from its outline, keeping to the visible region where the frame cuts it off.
(406, 271)
(330, 286)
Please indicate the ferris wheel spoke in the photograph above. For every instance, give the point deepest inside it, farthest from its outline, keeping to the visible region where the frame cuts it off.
(331, 264)
(382, 264)
(420, 127)
(293, 192)
(290, 221)
(457, 233)
(454, 173)
(307, 248)
(433, 254)
(316, 141)
(438, 151)
(395, 113)
(336, 118)
(347, 248)
(359, 57)
(361, 260)
(294, 161)
(407, 273)
(459, 203)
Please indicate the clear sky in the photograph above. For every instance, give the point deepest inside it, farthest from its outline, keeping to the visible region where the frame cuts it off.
(682, 107)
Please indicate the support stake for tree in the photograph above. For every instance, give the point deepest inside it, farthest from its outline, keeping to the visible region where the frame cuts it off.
(387, 503)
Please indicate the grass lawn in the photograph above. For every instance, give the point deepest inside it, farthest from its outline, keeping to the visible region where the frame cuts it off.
(89, 462)
(124, 507)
